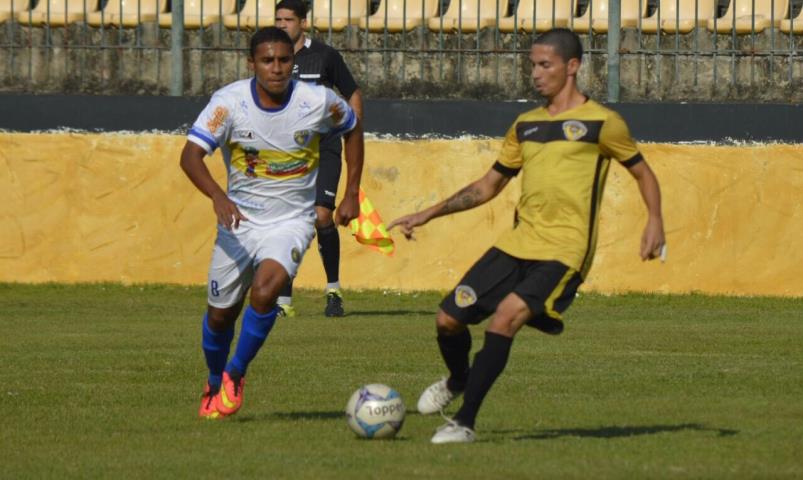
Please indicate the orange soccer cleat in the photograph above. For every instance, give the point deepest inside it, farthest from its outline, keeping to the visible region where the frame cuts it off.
(208, 408)
(230, 397)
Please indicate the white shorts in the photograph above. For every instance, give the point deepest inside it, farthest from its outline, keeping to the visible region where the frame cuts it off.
(238, 253)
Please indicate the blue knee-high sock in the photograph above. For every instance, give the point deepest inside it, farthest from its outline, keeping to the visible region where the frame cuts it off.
(216, 347)
(253, 333)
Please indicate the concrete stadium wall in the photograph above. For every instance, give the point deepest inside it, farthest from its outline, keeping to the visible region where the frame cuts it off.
(765, 67)
(116, 207)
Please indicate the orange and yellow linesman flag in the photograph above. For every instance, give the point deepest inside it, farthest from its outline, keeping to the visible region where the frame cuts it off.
(369, 230)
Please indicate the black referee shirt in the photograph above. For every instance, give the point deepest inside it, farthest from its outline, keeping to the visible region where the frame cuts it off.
(321, 64)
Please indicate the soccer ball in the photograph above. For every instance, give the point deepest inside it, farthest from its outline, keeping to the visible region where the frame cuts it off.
(375, 411)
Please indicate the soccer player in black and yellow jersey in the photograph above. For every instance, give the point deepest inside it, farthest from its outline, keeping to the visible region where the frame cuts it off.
(530, 276)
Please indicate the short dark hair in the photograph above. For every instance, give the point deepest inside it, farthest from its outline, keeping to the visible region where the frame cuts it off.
(565, 42)
(299, 7)
(269, 35)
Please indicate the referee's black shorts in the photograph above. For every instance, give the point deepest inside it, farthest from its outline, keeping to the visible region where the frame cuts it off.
(329, 169)
(547, 287)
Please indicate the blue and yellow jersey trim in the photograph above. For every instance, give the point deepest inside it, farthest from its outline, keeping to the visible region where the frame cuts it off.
(207, 137)
(348, 125)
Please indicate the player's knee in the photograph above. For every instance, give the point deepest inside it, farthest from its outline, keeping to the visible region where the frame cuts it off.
(511, 314)
(324, 217)
(447, 325)
(221, 319)
(270, 279)
(508, 321)
(263, 296)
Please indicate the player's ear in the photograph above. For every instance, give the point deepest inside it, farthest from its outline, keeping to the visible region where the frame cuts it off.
(572, 66)
(250, 63)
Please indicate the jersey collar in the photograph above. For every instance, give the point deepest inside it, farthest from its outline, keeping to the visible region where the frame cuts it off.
(306, 46)
(255, 97)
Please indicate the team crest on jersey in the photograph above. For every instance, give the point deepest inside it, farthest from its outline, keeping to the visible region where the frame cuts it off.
(574, 130)
(464, 296)
(295, 255)
(218, 119)
(302, 137)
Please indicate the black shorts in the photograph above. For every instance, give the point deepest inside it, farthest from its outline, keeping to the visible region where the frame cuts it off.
(328, 172)
(547, 287)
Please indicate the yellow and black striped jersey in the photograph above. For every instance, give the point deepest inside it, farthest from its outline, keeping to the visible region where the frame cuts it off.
(564, 162)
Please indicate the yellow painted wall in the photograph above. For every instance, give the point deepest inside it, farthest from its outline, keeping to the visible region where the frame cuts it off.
(92, 207)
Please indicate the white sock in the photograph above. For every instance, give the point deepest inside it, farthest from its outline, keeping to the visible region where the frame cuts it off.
(284, 300)
(333, 286)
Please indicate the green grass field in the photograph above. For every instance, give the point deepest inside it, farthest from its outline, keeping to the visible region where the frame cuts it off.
(104, 381)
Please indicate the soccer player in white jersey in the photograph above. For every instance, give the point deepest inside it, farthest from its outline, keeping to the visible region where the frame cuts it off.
(268, 128)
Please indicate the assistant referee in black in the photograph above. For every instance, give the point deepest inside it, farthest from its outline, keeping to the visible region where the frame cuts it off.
(319, 63)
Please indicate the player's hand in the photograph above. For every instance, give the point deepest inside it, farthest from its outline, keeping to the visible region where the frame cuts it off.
(652, 240)
(348, 210)
(227, 212)
(408, 223)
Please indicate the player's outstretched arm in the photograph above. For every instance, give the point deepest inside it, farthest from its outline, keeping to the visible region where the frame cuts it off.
(192, 162)
(652, 240)
(473, 195)
(349, 207)
(355, 102)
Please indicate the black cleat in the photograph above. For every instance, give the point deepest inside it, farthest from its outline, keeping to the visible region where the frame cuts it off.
(334, 304)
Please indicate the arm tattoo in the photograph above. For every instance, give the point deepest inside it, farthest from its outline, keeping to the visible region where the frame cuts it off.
(465, 199)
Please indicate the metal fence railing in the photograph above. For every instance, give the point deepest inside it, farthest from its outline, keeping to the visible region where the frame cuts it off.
(680, 49)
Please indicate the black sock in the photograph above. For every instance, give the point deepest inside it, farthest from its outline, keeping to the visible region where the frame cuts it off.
(455, 350)
(329, 248)
(488, 364)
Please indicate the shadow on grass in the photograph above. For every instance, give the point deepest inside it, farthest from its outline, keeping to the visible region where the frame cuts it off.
(319, 415)
(616, 431)
(374, 313)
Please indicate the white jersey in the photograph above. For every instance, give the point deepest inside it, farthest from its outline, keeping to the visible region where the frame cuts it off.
(271, 154)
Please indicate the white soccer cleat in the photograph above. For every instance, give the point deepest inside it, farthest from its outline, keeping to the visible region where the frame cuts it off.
(453, 432)
(435, 398)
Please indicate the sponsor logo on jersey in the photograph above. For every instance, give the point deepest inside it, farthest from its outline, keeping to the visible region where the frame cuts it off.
(242, 135)
(284, 169)
(302, 137)
(252, 164)
(464, 296)
(529, 131)
(574, 130)
(295, 255)
(304, 109)
(252, 161)
(217, 120)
